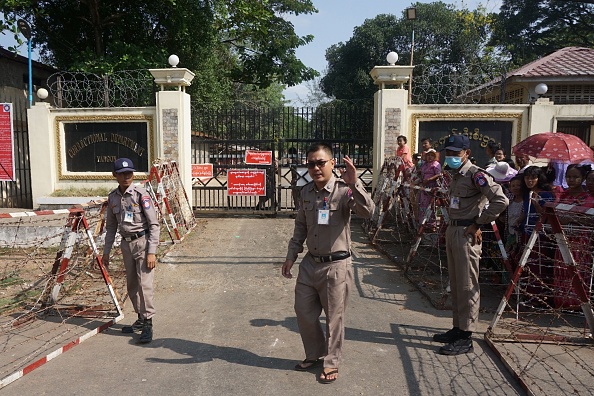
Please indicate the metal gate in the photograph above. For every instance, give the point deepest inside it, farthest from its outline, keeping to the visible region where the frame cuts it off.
(17, 193)
(221, 137)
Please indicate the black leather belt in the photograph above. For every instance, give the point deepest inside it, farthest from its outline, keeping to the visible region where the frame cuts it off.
(331, 257)
(134, 237)
(461, 223)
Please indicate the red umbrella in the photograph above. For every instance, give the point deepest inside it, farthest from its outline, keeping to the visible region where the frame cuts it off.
(554, 146)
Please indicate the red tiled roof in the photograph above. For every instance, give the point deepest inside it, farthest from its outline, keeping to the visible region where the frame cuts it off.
(569, 61)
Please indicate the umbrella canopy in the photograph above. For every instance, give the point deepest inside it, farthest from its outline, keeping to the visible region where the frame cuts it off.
(554, 146)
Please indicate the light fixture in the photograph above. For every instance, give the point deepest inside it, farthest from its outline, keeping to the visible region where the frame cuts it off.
(392, 58)
(541, 89)
(42, 93)
(411, 13)
(173, 60)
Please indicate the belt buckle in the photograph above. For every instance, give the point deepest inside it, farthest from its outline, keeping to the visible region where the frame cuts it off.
(128, 239)
(317, 259)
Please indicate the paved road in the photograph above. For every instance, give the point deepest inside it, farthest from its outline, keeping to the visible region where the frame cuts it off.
(226, 326)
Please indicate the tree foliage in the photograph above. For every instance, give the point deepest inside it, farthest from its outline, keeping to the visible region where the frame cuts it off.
(225, 42)
(526, 30)
(443, 35)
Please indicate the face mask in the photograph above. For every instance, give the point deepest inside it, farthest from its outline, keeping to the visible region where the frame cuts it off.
(453, 162)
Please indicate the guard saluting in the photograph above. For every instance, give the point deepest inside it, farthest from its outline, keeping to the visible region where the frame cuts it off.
(325, 273)
(471, 189)
(130, 209)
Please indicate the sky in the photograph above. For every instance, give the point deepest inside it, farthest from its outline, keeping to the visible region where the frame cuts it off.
(333, 23)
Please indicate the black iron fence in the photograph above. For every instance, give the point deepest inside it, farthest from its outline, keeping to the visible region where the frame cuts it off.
(221, 137)
(16, 193)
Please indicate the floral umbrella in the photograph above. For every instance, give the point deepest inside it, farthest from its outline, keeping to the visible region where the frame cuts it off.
(554, 146)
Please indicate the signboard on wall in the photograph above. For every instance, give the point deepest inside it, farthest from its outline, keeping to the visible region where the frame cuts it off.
(6, 143)
(478, 132)
(246, 182)
(94, 146)
(202, 171)
(255, 157)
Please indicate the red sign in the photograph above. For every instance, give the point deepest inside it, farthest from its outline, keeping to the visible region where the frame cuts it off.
(249, 182)
(253, 157)
(202, 171)
(6, 143)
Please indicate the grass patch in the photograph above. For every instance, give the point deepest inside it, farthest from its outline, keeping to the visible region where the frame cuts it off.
(82, 192)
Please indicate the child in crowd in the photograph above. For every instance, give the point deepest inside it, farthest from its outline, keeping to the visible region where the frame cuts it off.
(403, 151)
(430, 172)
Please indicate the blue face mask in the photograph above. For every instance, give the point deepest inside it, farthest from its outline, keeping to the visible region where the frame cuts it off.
(453, 162)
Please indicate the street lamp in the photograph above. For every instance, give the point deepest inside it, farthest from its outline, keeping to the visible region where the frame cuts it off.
(411, 15)
(25, 29)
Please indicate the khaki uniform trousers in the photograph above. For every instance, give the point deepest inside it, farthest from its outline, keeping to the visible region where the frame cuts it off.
(139, 279)
(463, 269)
(322, 286)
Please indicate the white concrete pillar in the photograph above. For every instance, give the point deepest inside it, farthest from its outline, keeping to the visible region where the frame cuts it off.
(174, 133)
(390, 121)
(42, 151)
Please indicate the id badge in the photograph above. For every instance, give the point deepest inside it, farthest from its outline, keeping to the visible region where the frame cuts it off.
(455, 203)
(128, 217)
(324, 216)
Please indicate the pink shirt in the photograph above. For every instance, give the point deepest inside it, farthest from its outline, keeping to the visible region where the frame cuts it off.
(404, 153)
(430, 169)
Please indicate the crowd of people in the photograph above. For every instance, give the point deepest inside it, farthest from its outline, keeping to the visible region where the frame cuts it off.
(528, 187)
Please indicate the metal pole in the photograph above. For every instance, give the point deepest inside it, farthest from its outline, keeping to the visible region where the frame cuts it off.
(30, 74)
(412, 50)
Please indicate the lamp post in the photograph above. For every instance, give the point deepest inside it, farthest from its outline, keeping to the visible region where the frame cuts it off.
(411, 15)
(25, 29)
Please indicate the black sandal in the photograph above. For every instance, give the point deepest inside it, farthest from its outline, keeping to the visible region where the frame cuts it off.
(312, 363)
(324, 376)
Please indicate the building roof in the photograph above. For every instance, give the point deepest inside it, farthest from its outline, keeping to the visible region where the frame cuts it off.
(569, 61)
(4, 53)
(567, 64)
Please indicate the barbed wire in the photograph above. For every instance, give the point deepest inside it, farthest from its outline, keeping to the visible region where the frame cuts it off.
(454, 83)
(126, 88)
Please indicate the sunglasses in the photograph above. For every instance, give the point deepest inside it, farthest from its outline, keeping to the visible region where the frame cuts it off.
(320, 164)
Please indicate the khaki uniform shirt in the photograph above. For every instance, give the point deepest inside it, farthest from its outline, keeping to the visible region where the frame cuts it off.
(473, 188)
(144, 217)
(325, 239)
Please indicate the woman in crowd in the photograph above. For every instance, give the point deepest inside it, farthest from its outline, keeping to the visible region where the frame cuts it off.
(501, 157)
(536, 192)
(577, 237)
(430, 172)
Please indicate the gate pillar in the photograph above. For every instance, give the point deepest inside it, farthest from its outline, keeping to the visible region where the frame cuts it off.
(390, 113)
(174, 134)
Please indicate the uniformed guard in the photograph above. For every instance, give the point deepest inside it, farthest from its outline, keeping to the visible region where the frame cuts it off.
(471, 189)
(325, 273)
(130, 209)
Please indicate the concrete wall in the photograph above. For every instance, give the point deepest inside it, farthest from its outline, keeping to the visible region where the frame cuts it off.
(169, 139)
(394, 117)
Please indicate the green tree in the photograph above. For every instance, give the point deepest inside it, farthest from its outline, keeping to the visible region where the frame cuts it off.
(444, 35)
(528, 29)
(224, 42)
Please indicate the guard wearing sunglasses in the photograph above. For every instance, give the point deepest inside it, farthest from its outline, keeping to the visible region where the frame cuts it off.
(325, 273)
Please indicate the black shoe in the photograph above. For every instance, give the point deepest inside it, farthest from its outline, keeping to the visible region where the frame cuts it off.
(147, 332)
(457, 347)
(136, 326)
(448, 337)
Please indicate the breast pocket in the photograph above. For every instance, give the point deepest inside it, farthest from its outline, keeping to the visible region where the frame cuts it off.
(311, 213)
(137, 213)
(336, 217)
